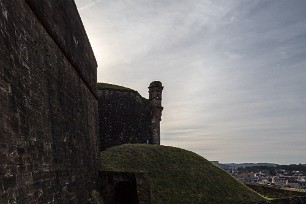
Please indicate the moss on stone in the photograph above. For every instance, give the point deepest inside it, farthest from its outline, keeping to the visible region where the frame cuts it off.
(113, 87)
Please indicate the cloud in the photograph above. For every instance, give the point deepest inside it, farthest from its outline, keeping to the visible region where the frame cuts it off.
(87, 6)
(233, 70)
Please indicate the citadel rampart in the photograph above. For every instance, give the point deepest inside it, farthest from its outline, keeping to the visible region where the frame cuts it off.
(49, 140)
(126, 117)
(48, 105)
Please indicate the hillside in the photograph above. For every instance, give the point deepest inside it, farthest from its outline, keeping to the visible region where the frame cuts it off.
(177, 175)
(275, 193)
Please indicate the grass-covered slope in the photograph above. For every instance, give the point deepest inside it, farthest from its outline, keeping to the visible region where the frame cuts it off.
(178, 176)
(276, 193)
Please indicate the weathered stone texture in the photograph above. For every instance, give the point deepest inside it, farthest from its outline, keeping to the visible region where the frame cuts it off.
(155, 97)
(63, 23)
(48, 111)
(124, 117)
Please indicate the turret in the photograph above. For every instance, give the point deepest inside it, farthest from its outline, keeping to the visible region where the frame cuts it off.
(155, 97)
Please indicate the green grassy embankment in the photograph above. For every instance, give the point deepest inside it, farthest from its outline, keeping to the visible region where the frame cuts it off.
(276, 193)
(177, 175)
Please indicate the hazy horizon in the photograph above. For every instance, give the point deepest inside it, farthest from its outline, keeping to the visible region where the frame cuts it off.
(234, 71)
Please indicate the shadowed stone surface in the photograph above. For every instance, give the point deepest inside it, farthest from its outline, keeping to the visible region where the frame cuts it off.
(48, 110)
(124, 187)
(124, 117)
(63, 23)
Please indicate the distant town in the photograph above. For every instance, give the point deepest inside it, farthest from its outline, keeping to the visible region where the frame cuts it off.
(291, 176)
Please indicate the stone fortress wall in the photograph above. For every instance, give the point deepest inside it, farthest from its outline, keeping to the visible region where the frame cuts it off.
(49, 138)
(126, 117)
(48, 104)
(49, 117)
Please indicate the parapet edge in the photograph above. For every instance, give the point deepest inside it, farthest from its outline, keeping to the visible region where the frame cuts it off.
(63, 23)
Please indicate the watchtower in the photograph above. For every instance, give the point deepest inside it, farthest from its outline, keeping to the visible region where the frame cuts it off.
(155, 97)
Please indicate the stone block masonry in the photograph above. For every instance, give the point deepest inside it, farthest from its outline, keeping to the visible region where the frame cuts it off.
(48, 105)
(125, 117)
(155, 98)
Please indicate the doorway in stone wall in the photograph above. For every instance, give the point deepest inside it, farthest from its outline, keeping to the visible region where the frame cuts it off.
(126, 192)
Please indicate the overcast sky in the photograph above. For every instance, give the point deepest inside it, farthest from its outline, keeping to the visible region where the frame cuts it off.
(234, 71)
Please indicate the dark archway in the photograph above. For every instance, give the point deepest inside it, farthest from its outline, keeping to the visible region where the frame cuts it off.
(126, 192)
